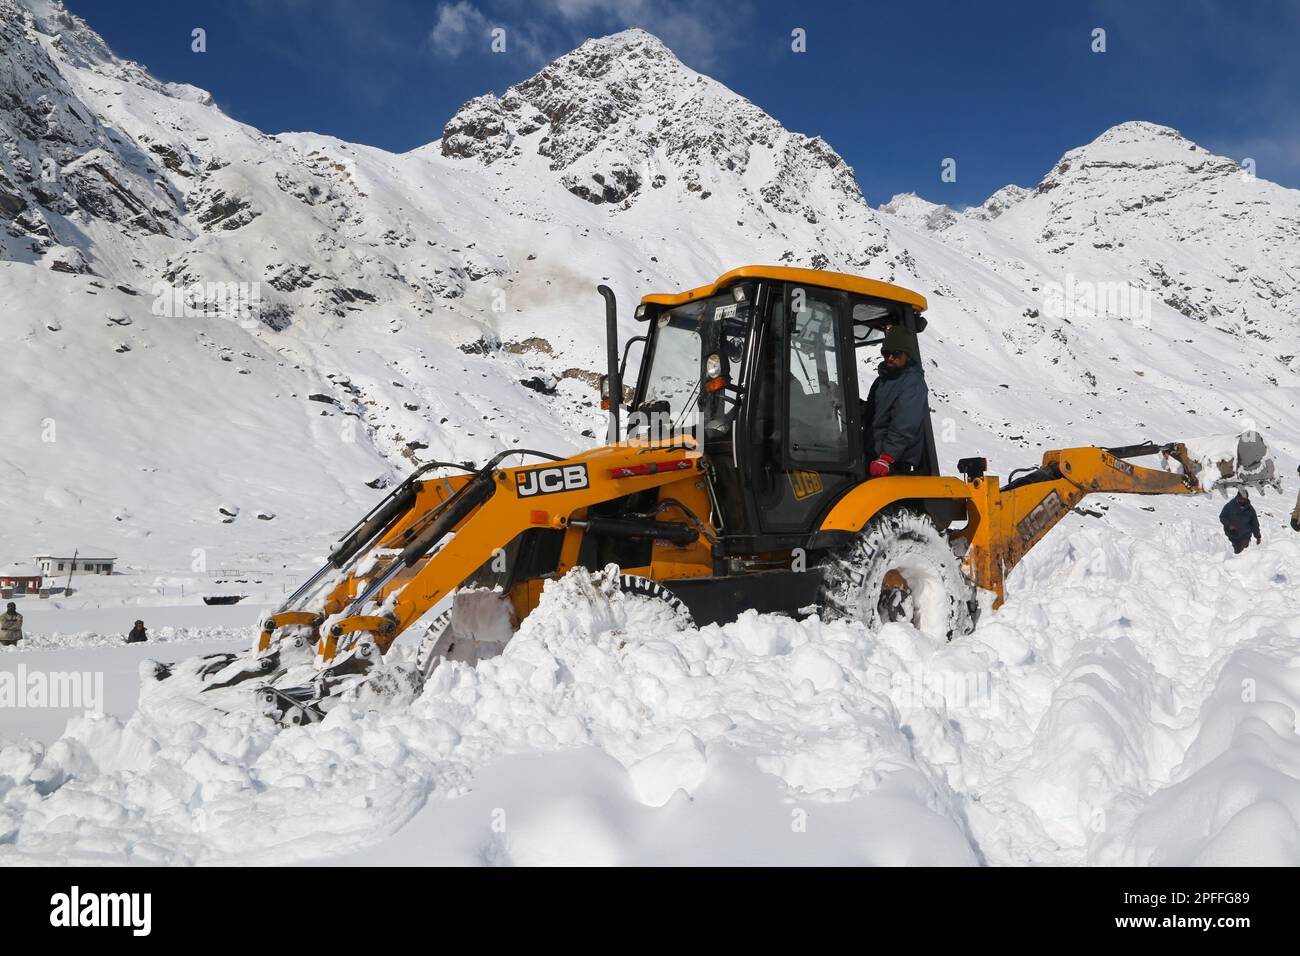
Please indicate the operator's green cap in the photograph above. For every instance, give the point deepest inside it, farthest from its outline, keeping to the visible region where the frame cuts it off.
(899, 339)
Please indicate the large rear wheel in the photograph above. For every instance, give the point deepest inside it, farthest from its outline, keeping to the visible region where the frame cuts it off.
(651, 590)
(900, 568)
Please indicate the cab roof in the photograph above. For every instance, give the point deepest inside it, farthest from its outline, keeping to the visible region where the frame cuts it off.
(814, 277)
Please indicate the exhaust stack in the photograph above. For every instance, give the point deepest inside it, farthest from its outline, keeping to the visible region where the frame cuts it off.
(614, 384)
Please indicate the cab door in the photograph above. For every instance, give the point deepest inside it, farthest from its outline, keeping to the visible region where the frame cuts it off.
(807, 429)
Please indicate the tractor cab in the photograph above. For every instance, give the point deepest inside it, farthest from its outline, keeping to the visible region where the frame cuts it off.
(769, 369)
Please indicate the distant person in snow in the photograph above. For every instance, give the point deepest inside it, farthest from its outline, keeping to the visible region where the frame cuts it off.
(1295, 513)
(896, 407)
(137, 634)
(11, 625)
(1240, 521)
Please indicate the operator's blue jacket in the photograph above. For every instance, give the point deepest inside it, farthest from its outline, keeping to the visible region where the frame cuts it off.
(900, 402)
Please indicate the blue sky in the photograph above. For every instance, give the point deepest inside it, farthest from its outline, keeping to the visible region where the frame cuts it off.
(1004, 88)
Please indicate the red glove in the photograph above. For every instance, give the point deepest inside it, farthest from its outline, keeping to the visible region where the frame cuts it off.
(881, 467)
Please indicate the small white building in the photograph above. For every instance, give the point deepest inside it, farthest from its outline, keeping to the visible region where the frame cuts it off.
(86, 561)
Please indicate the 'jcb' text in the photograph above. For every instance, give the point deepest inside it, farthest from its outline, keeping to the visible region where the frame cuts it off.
(547, 481)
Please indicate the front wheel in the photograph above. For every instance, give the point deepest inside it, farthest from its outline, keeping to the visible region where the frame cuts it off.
(900, 568)
(477, 626)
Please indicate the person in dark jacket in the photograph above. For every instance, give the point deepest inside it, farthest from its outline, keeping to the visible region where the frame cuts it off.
(11, 625)
(137, 634)
(898, 404)
(1240, 522)
(1295, 512)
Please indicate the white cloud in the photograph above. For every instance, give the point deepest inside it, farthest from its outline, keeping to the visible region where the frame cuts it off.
(581, 9)
(698, 33)
(461, 27)
(457, 27)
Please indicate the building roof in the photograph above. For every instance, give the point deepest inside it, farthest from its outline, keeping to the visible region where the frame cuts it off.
(814, 277)
(17, 569)
(83, 554)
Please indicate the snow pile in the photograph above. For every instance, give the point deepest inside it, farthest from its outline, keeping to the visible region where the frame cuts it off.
(1150, 699)
(1134, 703)
(588, 669)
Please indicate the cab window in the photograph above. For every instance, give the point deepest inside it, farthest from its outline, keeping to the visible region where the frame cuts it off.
(815, 393)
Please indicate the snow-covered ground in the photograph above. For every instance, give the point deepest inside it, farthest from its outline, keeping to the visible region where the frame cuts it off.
(85, 635)
(1134, 701)
(105, 672)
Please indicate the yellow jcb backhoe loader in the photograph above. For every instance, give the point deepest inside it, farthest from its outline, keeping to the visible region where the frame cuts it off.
(739, 480)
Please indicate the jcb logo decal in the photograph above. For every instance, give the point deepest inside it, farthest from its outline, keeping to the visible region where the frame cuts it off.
(547, 481)
(805, 483)
(1119, 464)
(1042, 517)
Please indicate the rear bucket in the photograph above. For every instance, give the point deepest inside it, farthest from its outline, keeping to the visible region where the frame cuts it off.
(1228, 462)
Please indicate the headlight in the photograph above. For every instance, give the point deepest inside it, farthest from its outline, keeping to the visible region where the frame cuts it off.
(640, 311)
(713, 365)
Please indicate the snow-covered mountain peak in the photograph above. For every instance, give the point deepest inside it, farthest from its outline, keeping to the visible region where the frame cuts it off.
(1142, 133)
(78, 43)
(1143, 205)
(632, 36)
(999, 202)
(644, 50)
(1156, 152)
(920, 213)
(621, 115)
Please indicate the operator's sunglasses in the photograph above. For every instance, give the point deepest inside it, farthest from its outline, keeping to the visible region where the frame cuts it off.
(885, 354)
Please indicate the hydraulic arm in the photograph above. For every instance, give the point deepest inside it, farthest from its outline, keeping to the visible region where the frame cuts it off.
(1005, 521)
(429, 536)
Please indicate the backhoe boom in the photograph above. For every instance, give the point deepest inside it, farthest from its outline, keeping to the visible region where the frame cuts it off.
(1004, 522)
